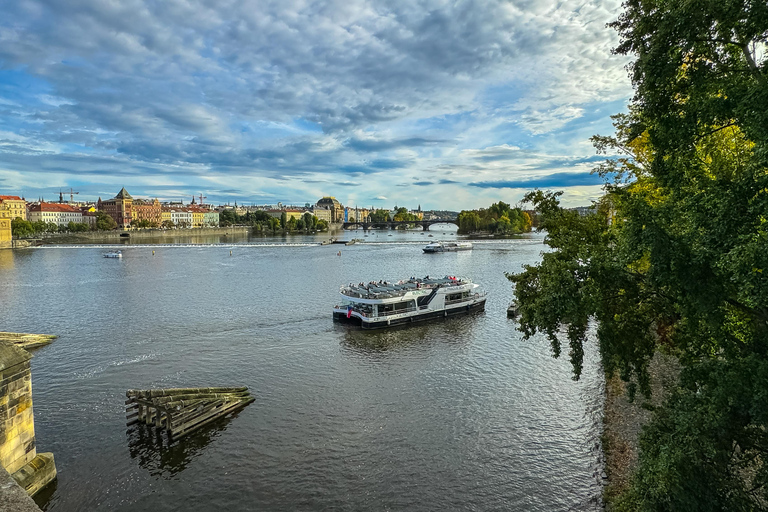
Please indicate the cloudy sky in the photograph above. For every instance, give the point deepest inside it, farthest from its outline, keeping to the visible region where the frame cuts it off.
(444, 104)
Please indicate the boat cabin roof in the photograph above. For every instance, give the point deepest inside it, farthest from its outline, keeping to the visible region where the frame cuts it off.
(385, 289)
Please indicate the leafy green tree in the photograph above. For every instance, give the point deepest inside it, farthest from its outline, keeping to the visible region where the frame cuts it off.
(676, 257)
(283, 220)
(21, 228)
(104, 222)
(310, 221)
(379, 216)
(469, 222)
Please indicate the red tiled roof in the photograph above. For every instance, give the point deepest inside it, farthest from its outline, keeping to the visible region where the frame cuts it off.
(53, 207)
(10, 198)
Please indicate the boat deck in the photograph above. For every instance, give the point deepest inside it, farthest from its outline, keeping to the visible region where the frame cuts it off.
(384, 289)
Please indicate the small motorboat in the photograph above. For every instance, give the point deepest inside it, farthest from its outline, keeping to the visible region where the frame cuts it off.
(113, 254)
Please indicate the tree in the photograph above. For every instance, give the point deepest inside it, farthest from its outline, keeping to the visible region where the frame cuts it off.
(676, 257)
(284, 220)
(21, 228)
(309, 221)
(379, 216)
(104, 222)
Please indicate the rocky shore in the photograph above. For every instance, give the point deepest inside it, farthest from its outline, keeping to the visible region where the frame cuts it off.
(623, 421)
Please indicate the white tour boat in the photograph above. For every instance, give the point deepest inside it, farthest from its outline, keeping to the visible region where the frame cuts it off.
(448, 246)
(382, 304)
(113, 254)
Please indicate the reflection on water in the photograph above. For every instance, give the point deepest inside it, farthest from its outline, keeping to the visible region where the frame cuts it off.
(6, 259)
(151, 448)
(453, 330)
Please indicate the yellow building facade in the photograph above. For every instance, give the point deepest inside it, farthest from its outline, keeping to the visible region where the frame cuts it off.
(12, 207)
(5, 232)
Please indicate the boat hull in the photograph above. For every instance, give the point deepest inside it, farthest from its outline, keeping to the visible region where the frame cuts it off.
(475, 307)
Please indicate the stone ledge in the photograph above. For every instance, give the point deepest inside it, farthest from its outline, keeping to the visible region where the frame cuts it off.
(37, 473)
(13, 497)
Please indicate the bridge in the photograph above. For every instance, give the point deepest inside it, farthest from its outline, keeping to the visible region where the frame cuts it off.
(393, 224)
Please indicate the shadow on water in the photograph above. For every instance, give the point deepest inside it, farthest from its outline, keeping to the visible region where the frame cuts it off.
(151, 448)
(450, 330)
(43, 497)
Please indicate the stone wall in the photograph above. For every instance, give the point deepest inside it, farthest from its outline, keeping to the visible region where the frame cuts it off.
(17, 426)
(5, 233)
(18, 454)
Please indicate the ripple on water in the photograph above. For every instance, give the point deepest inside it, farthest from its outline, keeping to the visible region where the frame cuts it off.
(455, 415)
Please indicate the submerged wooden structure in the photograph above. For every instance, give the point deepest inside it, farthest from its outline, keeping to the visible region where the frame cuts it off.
(26, 340)
(180, 411)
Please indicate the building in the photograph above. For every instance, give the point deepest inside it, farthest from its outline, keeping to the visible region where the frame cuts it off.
(356, 214)
(336, 208)
(120, 208)
(60, 214)
(5, 232)
(12, 207)
(89, 217)
(198, 216)
(150, 211)
(322, 214)
(289, 213)
(211, 219)
(181, 217)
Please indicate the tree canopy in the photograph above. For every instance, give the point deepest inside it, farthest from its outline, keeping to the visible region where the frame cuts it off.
(676, 256)
(499, 219)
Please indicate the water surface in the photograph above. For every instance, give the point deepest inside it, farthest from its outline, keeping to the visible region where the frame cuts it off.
(454, 415)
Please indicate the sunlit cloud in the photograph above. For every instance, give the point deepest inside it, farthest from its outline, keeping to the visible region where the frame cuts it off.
(432, 101)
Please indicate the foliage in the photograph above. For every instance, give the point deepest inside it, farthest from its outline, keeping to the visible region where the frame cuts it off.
(499, 219)
(24, 229)
(104, 222)
(379, 216)
(676, 256)
(144, 223)
(262, 221)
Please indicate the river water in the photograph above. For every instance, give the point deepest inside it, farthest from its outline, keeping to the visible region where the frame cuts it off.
(460, 414)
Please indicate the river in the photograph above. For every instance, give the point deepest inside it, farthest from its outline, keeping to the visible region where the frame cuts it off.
(460, 414)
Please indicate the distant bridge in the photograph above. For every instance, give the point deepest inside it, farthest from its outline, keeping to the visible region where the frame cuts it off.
(393, 224)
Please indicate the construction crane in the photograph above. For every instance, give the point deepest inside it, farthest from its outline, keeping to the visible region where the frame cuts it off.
(71, 196)
(202, 197)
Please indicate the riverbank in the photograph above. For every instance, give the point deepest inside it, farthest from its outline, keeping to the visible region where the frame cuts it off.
(624, 420)
(144, 235)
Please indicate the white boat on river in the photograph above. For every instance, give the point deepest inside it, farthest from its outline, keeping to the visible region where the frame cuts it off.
(113, 254)
(448, 246)
(382, 304)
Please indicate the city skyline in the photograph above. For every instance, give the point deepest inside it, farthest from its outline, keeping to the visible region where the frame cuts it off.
(447, 105)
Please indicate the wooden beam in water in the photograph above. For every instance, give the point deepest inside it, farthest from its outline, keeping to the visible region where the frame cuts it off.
(181, 411)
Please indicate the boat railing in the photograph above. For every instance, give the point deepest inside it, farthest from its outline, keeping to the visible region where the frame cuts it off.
(396, 312)
(466, 299)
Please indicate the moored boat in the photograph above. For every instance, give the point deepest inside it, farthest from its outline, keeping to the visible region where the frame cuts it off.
(382, 304)
(448, 246)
